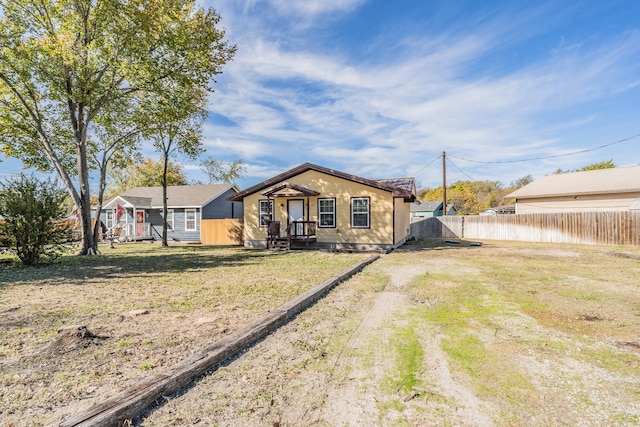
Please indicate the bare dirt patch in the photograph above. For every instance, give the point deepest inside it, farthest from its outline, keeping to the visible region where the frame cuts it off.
(71, 338)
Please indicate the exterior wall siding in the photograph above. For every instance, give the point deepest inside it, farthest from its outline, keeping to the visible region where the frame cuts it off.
(580, 203)
(179, 226)
(221, 208)
(402, 226)
(178, 232)
(127, 216)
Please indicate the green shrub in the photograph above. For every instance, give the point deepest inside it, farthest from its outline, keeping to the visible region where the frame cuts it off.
(32, 225)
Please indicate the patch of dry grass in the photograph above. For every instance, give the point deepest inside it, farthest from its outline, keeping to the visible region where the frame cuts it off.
(145, 307)
(529, 309)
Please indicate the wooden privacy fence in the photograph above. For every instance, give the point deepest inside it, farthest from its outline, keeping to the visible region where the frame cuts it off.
(221, 231)
(607, 228)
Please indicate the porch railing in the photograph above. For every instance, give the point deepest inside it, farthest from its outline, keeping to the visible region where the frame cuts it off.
(301, 230)
(296, 231)
(137, 231)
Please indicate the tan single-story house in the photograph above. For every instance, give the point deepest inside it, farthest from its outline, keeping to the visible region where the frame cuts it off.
(316, 207)
(613, 189)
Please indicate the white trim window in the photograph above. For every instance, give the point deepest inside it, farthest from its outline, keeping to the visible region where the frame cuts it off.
(265, 212)
(327, 213)
(170, 221)
(110, 219)
(190, 219)
(360, 212)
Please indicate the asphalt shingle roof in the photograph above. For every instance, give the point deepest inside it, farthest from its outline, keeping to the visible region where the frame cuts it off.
(428, 206)
(177, 196)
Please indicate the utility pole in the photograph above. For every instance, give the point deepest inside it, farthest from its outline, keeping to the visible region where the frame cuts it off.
(444, 183)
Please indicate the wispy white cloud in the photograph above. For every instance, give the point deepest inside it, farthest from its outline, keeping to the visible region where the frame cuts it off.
(446, 91)
(314, 7)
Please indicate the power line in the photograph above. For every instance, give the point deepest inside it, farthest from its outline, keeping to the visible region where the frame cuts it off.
(426, 166)
(460, 170)
(551, 157)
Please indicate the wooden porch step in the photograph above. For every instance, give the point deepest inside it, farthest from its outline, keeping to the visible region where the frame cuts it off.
(280, 244)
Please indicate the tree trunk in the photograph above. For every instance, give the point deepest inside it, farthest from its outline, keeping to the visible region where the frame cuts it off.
(164, 201)
(85, 200)
(102, 166)
(97, 227)
(85, 217)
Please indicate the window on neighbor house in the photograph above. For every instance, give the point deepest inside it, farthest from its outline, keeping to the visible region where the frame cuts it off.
(169, 218)
(190, 219)
(360, 212)
(326, 212)
(110, 217)
(266, 212)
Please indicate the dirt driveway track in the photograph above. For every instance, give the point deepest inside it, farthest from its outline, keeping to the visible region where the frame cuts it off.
(505, 335)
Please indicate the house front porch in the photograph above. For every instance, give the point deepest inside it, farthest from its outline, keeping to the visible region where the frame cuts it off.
(296, 233)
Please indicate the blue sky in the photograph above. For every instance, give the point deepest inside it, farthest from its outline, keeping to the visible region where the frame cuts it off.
(380, 89)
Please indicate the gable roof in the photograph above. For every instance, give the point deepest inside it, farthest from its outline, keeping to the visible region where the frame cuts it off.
(600, 181)
(287, 189)
(407, 194)
(178, 196)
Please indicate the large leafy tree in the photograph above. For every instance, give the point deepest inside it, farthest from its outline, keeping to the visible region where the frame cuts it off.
(117, 136)
(64, 64)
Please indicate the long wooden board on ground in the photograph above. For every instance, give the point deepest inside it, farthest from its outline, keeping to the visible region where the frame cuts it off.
(132, 402)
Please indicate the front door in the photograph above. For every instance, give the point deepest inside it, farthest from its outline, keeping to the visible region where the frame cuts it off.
(140, 223)
(296, 213)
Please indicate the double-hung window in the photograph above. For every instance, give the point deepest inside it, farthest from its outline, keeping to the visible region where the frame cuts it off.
(110, 216)
(266, 212)
(326, 212)
(190, 219)
(170, 219)
(360, 212)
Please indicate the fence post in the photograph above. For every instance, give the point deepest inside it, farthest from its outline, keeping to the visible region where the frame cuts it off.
(462, 228)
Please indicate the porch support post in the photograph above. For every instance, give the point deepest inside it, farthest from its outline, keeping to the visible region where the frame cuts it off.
(268, 222)
(308, 209)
